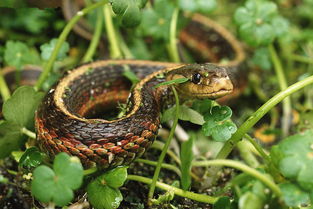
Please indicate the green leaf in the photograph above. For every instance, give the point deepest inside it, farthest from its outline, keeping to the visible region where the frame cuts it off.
(217, 124)
(102, 196)
(185, 113)
(293, 196)
(262, 58)
(43, 183)
(202, 106)
(3, 180)
(186, 157)
(156, 21)
(11, 138)
(171, 82)
(222, 203)
(259, 22)
(69, 170)
(294, 158)
(132, 16)
(130, 75)
(116, 177)
(56, 185)
(20, 108)
(31, 158)
(17, 54)
(250, 200)
(47, 49)
(204, 6)
(128, 10)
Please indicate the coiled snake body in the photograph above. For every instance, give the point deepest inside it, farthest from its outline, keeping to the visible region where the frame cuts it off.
(68, 118)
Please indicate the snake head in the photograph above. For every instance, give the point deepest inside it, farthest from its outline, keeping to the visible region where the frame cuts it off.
(204, 81)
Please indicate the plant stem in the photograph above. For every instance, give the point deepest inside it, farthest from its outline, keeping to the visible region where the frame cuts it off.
(246, 154)
(256, 116)
(61, 39)
(28, 133)
(163, 153)
(115, 52)
(177, 191)
(173, 51)
(300, 58)
(258, 148)
(160, 146)
(4, 89)
(95, 39)
(163, 165)
(124, 48)
(240, 166)
(283, 85)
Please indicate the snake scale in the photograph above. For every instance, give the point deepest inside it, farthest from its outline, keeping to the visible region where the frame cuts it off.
(68, 118)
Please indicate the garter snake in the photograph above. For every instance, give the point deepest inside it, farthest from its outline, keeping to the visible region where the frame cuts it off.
(67, 120)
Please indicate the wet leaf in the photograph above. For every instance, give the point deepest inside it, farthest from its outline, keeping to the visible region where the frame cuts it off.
(218, 125)
(31, 158)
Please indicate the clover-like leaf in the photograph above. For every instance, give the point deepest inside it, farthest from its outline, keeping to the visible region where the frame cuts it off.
(17, 54)
(103, 191)
(20, 108)
(11, 138)
(47, 49)
(294, 196)
(294, 158)
(31, 158)
(218, 125)
(259, 22)
(56, 185)
(129, 10)
(156, 20)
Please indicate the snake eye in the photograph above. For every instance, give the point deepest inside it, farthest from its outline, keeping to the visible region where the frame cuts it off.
(196, 78)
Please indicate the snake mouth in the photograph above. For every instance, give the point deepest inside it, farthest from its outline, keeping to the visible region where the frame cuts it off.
(212, 95)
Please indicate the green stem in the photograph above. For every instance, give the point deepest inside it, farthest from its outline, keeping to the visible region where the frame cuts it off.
(4, 89)
(258, 148)
(283, 85)
(124, 48)
(112, 37)
(163, 165)
(167, 144)
(95, 39)
(61, 39)
(256, 116)
(160, 146)
(177, 191)
(300, 58)
(240, 166)
(246, 154)
(28, 133)
(173, 51)
(90, 171)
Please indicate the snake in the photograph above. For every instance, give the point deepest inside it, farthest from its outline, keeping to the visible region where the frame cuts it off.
(71, 116)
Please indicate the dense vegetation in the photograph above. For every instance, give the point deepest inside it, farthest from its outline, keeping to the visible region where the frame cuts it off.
(256, 153)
